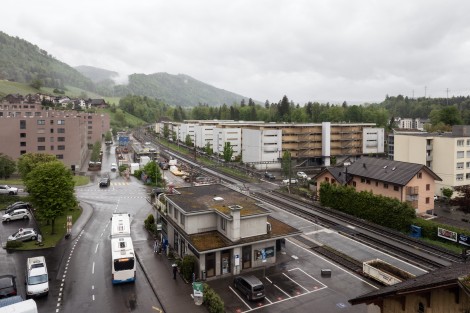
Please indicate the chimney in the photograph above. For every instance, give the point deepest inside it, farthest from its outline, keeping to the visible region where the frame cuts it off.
(235, 212)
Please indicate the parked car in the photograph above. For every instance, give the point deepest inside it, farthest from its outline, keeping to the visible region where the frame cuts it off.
(292, 181)
(114, 167)
(164, 165)
(269, 176)
(105, 182)
(17, 214)
(7, 286)
(37, 277)
(24, 234)
(7, 190)
(18, 205)
(302, 175)
(250, 286)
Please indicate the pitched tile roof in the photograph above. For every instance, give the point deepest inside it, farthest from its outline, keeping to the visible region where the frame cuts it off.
(444, 277)
(394, 172)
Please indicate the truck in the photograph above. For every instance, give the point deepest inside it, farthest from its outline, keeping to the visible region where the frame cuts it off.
(384, 272)
(16, 304)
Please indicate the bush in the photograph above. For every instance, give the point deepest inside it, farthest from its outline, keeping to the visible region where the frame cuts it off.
(187, 267)
(212, 300)
(14, 244)
(149, 224)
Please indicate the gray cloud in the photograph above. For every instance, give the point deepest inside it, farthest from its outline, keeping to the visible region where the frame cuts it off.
(308, 50)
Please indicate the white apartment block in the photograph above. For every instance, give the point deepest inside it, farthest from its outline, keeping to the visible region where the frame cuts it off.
(204, 134)
(231, 135)
(373, 140)
(185, 130)
(447, 154)
(262, 146)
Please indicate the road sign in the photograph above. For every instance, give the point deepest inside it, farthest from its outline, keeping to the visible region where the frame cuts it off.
(198, 293)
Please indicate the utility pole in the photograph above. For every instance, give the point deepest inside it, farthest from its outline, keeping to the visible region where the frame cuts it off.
(447, 96)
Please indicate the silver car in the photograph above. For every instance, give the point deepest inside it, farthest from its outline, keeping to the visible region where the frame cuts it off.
(7, 190)
(24, 234)
(18, 214)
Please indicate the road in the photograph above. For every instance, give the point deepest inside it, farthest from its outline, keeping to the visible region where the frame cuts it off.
(80, 268)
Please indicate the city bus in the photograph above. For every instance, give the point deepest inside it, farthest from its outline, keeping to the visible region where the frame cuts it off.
(122, 250)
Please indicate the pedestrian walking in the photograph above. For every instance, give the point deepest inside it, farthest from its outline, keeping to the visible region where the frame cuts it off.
(175, 269)
(155, 246)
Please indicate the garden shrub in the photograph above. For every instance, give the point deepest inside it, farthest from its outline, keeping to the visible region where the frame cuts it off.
(212, 300)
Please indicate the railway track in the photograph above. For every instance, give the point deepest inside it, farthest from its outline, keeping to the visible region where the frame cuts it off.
(410, 249)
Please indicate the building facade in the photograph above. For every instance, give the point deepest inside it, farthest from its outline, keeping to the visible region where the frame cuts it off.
(407, 182)
(32, 128)
(447, 154)
(228, 232)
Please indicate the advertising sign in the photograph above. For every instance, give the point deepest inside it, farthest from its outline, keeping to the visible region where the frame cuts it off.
(464, 239)
(198, 293)
(447, 234)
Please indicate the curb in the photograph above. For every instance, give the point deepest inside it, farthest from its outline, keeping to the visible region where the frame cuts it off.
(148, 280)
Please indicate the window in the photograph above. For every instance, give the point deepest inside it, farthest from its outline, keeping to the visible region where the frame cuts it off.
(368, 182)
(363, 180)
(61, 139)
(90, 127)
(468, 142)
(460, 143)
(385, 186)
(61, 122)
(428, 186)
(60, 156)
(61, 130)
(52, 148)
(23, 135)
(419, 175)
(175, 214)
(22, 124)
(23, 152)
(459, 177)
(23, 144)
(41, 122)
(327, 179)
(51, 139)
(467, 176)
(467, 165)
(354, 184)
(52, 130)
(376, 184)
(460, 166)
(37, 113)
(396, 188)
(170, 209)
(427, 200)
(468, 153)
(182, 218)
(41, 139)
(41, 148)
(223, 223)
(460, 154)
(51, 122)
(60, 147)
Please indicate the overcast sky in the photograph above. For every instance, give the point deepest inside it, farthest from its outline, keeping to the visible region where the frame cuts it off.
(310, 50)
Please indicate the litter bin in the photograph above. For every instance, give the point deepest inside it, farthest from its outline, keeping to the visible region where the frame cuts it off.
(203, 275)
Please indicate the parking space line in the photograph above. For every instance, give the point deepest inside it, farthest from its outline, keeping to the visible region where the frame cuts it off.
(268, 280)
(241, 299)
(295, 282)
(288, 295)
(307, 274)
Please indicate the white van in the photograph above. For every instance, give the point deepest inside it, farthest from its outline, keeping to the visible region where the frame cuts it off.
(37, 279)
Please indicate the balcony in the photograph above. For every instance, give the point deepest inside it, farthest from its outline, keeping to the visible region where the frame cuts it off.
(412, 191)
(428, 157)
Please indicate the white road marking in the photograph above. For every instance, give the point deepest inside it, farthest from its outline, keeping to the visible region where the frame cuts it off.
(295, 282)
(93, 269)
(96, 249)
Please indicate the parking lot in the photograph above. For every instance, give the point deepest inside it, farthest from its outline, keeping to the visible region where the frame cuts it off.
(279, 287)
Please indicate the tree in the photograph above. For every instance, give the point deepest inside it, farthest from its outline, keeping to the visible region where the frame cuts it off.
(152, 170)
(208, 148)
(51, 187)
(36, 83)
(7, 166)
(286, 163)
(27, 162)
(166, 131)
(463, 198)
(108, 136)
(188, 141)
(228, 152)
(96, 152)
(447, 192)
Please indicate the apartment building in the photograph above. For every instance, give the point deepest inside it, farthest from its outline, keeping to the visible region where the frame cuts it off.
(447, 154)
(32, 128)
(262, 147)
(230, 134)
(408, 182)
(227, 231)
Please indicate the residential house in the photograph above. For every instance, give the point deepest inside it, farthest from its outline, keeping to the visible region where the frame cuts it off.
(227, 231)
(407, 182)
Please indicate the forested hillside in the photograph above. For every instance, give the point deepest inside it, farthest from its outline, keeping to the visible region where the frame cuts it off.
(24, 62)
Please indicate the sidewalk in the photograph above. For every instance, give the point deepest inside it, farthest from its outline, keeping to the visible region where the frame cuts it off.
(174, 295)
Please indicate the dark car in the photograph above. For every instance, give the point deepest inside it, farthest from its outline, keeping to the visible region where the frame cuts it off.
(164, 165)
(250, 286)
(269, 176)
(16, 206)
(7, 286)
(105, 182)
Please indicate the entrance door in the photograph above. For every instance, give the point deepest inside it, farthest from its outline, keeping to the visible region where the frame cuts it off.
(246, 256)
(225, 261)
(210, 264)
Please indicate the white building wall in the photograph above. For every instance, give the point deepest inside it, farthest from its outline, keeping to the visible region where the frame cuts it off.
(200, 223)
(223, 135)
(326, 142)
(204, 134)
(261, 145)
(253, 226)
(373, 140)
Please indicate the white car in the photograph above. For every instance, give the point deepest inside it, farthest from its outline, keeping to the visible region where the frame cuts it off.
(114, 167)
(17, 214)
(24, 234)
(292, 181)
(302, 175)
(7, 190)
